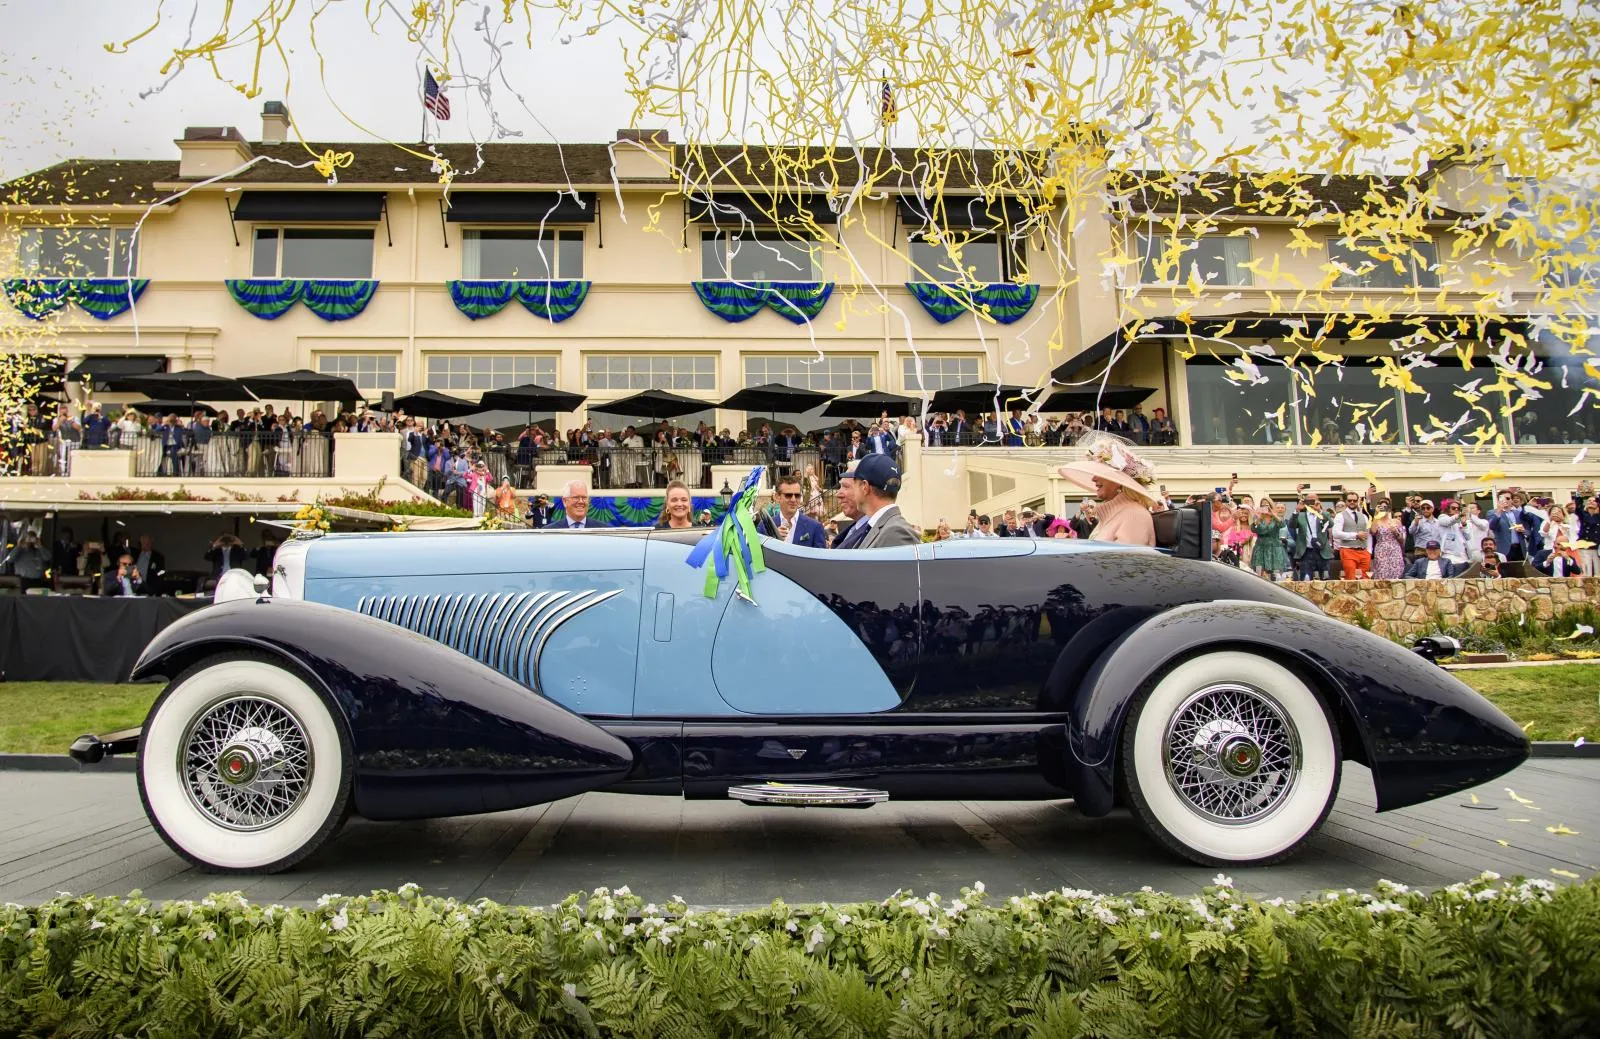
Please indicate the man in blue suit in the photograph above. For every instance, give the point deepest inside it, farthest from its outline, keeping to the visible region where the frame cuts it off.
(1433, 566)
(794, 526)
(575, 503)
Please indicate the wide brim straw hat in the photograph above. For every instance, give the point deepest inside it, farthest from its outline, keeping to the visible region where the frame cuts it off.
(1111, 458)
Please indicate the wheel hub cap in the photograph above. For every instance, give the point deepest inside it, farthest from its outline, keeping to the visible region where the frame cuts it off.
(1232, 754)
(246, 762)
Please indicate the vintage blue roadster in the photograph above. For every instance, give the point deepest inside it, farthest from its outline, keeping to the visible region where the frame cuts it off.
(407, 676)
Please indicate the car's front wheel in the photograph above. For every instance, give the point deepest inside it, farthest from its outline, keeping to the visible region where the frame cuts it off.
(243, 767)
(1231, 759)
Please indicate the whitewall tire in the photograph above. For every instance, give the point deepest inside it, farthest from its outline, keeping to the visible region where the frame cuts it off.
(1231, 759)
(243, 767)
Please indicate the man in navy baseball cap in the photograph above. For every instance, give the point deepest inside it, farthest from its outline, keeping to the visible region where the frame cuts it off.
(876, 483)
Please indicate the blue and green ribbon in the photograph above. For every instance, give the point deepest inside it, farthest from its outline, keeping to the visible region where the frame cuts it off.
(331, 299)
(1004, 301)
(556, 300)
(734, 546)
(102, 298)
(636, 511)
(799, 301)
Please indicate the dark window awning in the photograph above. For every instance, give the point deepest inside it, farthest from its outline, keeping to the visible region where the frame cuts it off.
(734, 210)
(324, 206)
(960, 212)
(521, 207)
(107, 373)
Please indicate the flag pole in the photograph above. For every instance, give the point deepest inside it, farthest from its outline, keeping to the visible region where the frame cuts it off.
(421, 91)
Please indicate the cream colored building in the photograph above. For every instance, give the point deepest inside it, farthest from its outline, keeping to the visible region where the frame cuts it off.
(625, 228)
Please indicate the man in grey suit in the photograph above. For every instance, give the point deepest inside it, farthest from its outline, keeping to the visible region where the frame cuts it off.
(876, 486)
(1310, 543)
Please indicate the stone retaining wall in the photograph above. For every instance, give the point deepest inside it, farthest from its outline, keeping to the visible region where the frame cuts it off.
(1408, 607)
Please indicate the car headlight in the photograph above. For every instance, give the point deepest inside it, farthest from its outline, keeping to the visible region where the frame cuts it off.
(289, 569)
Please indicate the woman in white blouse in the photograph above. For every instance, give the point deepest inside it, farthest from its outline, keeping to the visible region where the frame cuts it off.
(1559, 522)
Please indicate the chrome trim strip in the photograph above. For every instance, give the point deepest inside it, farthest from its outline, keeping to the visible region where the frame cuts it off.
(573, 611)
(515, 643)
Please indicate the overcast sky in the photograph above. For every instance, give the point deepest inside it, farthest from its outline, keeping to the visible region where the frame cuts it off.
(65, 96)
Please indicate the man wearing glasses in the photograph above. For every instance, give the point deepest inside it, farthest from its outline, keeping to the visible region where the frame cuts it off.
(791, 524)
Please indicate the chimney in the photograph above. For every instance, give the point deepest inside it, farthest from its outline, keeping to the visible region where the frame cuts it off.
(274, 123)
(1468, 179)
(643, 155)
(206, 151)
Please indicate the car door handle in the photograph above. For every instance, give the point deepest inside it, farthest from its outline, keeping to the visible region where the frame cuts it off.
(664, 604)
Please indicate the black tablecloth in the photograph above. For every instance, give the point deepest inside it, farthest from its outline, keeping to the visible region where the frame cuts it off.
(73, 638)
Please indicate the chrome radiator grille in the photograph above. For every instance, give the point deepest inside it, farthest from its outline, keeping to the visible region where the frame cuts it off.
(503, 630)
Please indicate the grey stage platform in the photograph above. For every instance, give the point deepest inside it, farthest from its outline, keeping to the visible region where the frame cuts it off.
(86, 833)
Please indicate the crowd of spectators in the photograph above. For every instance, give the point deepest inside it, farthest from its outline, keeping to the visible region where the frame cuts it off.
(124, 564)
(1356, 535)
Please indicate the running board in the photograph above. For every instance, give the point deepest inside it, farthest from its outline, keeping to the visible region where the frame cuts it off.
(91, 749)
(807, 795)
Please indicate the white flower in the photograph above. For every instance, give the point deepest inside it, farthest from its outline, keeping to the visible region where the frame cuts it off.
(95, 925)
(1332, 896)
(1155, 936)
(815, 937)
(570, 989)
(627, 930)
(978, 886)
(155, 928)
(500, 979)
(209, 935)
(409, 888)
(340, 921)
(1487, 895)
(905, 973)
(1222, 880)
(623, 890)
(844, 919)
(1488, 874)
(1389, 885)
(791, 927)
(1136, 911)
(208, 903)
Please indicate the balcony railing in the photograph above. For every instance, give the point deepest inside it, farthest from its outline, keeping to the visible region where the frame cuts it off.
(232, 455)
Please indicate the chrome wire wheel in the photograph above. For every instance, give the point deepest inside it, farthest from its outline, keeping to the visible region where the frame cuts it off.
(1231, 753)
(246, 762)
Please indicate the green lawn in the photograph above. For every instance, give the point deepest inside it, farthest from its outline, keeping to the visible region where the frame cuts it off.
(1559, 702)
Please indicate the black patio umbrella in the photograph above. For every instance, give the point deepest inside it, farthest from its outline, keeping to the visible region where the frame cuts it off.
(433, 404)
(980, 397)
(775, 397)
(654, 404)
(189, 385)
(872, 404)
(532, 397)
(302, 385)
(172, 407)
(1093, 397)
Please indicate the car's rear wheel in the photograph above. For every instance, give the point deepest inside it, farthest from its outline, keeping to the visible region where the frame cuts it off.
(243, 767)
(1231, 759)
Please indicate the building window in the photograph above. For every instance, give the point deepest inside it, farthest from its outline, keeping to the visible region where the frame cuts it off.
(985, 259)
(78, 252)
(1561, 273)
(807, 372)
(370, 372)
(1256, 410)
(758, 256)
(938, 373)
(1563, 414)
(489, 371)
(1370, 264)
(1166, 259)
(523, 254)
(312, 252)
(651, 372)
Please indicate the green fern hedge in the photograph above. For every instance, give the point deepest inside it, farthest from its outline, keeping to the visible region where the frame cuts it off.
(1486, 958)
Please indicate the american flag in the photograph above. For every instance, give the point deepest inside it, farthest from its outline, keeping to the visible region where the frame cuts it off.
(886, 104)
(433, 98)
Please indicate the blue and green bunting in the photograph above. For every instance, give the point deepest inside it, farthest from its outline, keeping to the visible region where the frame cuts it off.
(799, 301)
(644, 511)
(1005, 301)
(331, 299)
(733, 546)
(556, 300)
(337, 299)
(102, 298)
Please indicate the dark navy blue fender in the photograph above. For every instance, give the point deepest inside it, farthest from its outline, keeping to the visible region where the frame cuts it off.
(1423, 733)
(435, 733)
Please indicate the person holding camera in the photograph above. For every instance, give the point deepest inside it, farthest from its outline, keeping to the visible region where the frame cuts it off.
(124, 580)
(1309, 543)
(28, 560)
(226, 553)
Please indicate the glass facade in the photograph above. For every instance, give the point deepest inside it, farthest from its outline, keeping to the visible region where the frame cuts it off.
(634, 372)
(1213, 259)
(367, 371)
(1369, 264)
(928, 374)
(526, 254)
(1345, 404)
(758, 256)
(489, 371)
(78, 252)
(312, 252)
